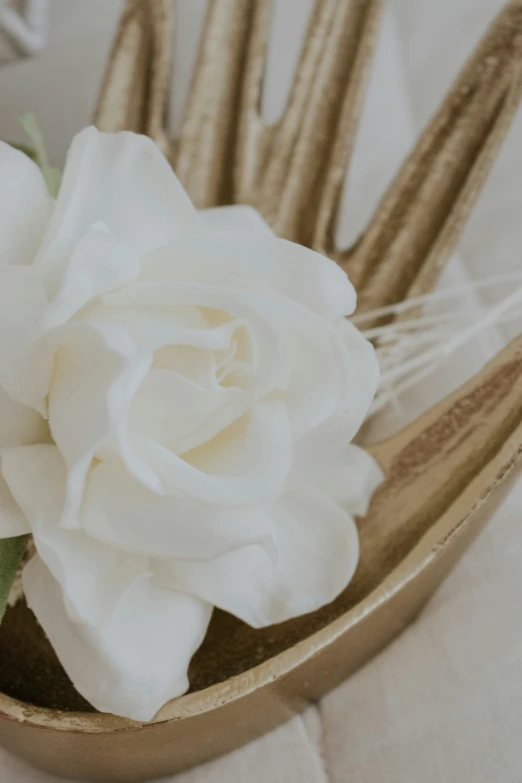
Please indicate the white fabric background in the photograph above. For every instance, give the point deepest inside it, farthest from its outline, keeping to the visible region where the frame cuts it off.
(443, 704)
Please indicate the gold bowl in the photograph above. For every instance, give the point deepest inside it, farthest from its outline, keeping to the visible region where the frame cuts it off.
(444, 472)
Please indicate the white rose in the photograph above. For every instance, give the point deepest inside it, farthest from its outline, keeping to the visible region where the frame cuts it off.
(176, 398)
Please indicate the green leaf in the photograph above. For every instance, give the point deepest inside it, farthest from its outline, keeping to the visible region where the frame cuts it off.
(12, 551)
(25, 148)
(51, 175)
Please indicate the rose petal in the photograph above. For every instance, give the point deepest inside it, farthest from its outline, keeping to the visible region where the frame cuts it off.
(12, 519)
(317, 552)
(123, 180)
(96, 372)
(93, 577)
(321, 368)
(154, 328)
(19, 424)
(196, 364)
(22, 307)
(328, 440)
(323, 443)
(270, 363)
(247, 463)
(22, 299)
(350, 478)
(99, 263)
(364, 374)
(181, 414)
(120, 511)
(234, 257)
(181, 338)
(134, 662)
(25, 207)
(238, 217)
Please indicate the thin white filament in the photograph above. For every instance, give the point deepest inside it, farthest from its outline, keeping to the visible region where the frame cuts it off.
(411, 349)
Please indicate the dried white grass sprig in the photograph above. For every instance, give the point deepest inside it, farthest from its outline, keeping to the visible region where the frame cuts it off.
(411, 349)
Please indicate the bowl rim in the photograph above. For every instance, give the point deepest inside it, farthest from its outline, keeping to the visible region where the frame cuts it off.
(430, 547)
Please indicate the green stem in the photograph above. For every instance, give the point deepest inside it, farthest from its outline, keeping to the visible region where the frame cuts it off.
(12, 551)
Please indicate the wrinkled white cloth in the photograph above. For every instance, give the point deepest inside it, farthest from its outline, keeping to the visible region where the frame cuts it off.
(443, 703)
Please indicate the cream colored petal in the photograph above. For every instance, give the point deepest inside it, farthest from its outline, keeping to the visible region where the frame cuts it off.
(25, 207)
(323, 372)
(19, 424)
(22, 307)
(135, 661)
(317, 552)
(95, 373)
(92, 576)
(240, 257)
(350, 478)
(119, 510)
(364, 373)
(246, 464)
(179, 413)
(99, 263)
(237, 217)
(124, 181)
(13, 521)
(269, 360)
